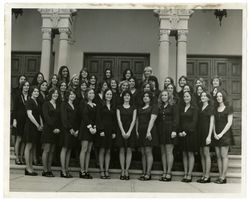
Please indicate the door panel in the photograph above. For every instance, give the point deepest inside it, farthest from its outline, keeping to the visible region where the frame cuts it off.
(230, 71)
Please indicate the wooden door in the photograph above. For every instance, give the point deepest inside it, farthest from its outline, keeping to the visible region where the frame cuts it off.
(230, 71)
(98, 63)
(24, 63)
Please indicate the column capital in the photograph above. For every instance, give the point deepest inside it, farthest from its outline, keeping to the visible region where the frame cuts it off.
(164, 35)
(46, 33)
(182, 35)
(64, 33)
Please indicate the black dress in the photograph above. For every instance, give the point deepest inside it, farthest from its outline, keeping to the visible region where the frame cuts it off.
(126, 115)
(167, 122)
(69, 120)
(19, 113)
(107, 123)
(31, 134)
(136, 98)
(51, 122)
(144, 116)
(89, 117)
(188, 123)
(204, 124)
(220, 119)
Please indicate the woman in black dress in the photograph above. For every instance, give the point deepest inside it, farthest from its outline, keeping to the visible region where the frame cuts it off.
(182, 81)
(37, 80)
(74, 83)
(126, 137)
(106, 132)
(99, 98)
(222, 137)
(147, 72)
(167, 127)
(63, 74)
(188, 141)
(134, 91)
(33, 125)
(205, 129)
(62, 91)
(84, 75)
(19, 119)
(88, 130)
(115, 92)
(127, 74)
(93, 82)
(70, 130)
(108, 75)
(146, 132)
(53, 82)
(153, 81)
(167, 81)
(51, 130)
(199, 89)
(171, 89)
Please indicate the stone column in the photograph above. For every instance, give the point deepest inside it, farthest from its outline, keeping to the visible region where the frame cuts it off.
(46, 52)
(63, 46)
(163, 56)
(182, 53)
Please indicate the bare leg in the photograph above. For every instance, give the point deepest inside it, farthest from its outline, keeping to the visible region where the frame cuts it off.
(224, 155)
(17, 147)
(51, 155)
(63, 159)
(203, 164)
(45, 156)
(185, 163)
(219, 160)
(122, 159)
(27, 151)
(170, 157)
(22, 151)
(68, 154)
(107, 160)
(101, 160)
(88, 156)
(164, 159)
(207, 161)
(83, 154)
(128, 158)
(143, 160)
(150, 159)
(190, 164)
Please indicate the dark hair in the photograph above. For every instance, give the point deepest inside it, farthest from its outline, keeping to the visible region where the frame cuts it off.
(60, 78)
(50, 83)
(224, 98)
(51, 92)
(22, 85)
(34, 81)
(196, 88)
(100, 85)
(117, 85)
(216, 77)
(154, 79)
(39, 86)
(190, 87)
(136, 83)
(104, 75)
(32, 88)
(104, 94)
(192, 102)
(68, 92)
(60, 84)
(144, 85)
(184, 78)
(171, 81)
(150, 97)
(210, 101)
(175, 94)
(125, 72)
(83, 82)
(18, 79)
(94, 77)
(80, 74)
(125, 93)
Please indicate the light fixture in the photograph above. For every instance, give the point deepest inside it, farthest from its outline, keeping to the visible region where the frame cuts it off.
(220, 13)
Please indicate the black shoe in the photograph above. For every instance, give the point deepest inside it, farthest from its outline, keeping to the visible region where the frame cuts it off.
(82, 175)
(63, 175)
(50, 174)
(188, 180)
(122, 177)
(69, 175)
(107, 175)
(200, 180)
(88, 176)
(45, 174)
(206, 180)
(141, 177)
(18, 162)
(102, 175)
(168, 178)
(147, 177)
(221, 181)
(26, 172)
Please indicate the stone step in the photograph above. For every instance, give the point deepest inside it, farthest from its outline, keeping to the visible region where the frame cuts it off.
(134, 174)
(232, 167)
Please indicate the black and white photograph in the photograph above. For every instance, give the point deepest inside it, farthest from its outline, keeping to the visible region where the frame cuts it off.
(130, 98)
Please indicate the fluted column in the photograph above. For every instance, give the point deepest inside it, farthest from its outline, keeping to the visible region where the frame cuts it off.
(63, 46)
(163, 55)
(46, 52)
(182, 53)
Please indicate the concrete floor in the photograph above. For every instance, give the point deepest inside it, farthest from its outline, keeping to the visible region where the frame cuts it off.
(21, 183)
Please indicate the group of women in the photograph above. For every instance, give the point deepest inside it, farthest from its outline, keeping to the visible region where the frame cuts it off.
(65, 112)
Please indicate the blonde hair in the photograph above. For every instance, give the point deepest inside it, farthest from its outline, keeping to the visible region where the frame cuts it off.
(170, 98)
(147, 68)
